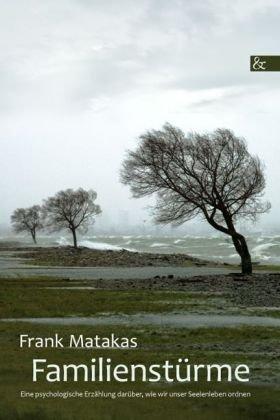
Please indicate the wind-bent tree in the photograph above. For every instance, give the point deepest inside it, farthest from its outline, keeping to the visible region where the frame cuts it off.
(71, 209)
(27, 220)
(212, 175)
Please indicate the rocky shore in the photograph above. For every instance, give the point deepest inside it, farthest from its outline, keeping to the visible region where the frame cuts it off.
(260, 289)
(86, 257)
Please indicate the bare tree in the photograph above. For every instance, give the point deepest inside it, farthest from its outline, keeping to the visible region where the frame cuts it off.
(212, 175)
(71, 209)
(27, 220)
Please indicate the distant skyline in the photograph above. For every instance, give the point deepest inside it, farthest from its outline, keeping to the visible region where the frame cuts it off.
(80, 80)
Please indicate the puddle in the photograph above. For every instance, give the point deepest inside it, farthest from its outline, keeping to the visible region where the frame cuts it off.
(168, 320)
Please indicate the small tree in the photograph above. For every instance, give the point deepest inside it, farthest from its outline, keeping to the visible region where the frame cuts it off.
(27, 220)
(70, 209)
(212, 175)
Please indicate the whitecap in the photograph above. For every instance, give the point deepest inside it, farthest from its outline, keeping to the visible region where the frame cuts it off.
(263, 247)
(158, 244)
(104, 246)
(178, 241)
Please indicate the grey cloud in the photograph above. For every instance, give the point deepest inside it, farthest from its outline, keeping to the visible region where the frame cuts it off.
(80, 79)
(86, 49)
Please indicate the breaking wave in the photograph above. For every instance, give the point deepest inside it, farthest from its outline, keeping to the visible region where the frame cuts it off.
(104, 246)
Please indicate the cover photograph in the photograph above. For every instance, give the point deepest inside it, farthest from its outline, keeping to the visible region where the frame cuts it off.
(139, 213)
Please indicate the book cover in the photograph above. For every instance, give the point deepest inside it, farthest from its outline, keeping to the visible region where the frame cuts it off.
(139, 215)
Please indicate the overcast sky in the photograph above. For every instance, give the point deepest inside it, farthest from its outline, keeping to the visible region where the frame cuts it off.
(81, 79)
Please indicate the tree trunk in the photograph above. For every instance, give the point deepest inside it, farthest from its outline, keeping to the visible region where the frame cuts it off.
(245, 257)
(246, 264)
(241, 247)
(74, 238)
(33, 233)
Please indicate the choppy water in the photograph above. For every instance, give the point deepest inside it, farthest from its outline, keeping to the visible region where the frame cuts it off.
(264, 249)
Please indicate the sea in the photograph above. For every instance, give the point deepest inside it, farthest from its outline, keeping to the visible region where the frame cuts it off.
(265, 249)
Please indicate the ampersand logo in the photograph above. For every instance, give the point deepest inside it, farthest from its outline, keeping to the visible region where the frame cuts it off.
(258, 64)
(264, 63)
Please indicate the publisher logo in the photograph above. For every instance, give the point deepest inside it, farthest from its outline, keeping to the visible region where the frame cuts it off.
(265, 63)
(258, 64)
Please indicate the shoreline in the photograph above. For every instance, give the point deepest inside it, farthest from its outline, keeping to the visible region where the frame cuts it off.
(67, 256)
(83, 256)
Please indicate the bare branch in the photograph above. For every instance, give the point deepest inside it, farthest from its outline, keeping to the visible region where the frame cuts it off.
(27, 220)
(71, 209)
(212, 175)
